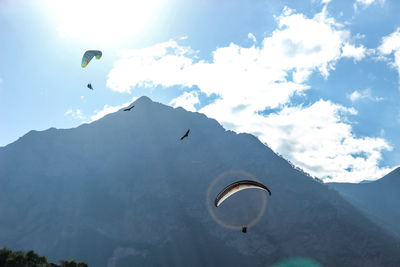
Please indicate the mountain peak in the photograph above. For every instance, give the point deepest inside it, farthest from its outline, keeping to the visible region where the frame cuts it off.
(143, 99)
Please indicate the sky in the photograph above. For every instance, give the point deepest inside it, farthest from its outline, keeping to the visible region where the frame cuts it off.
(318, 81)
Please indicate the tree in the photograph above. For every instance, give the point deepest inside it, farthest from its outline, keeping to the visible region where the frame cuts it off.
(72, 264)
(9, 258)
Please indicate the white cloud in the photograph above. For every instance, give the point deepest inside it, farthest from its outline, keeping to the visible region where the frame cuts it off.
(98, 114)
(252, 37)
(77, 114)
(155, 65)
(365, 94)
(391, 45)
(304, 44)
(248, 81)
(107, 109)
(187, 101)
(325, 1)
(301, 45)
(367, 3)
(356, 96)
(318, 139)
(357, 53)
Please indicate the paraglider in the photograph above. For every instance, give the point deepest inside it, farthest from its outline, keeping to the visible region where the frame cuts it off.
(236, 187)
(89, 54)
(186, 134)
(87, 57)
(129, 109)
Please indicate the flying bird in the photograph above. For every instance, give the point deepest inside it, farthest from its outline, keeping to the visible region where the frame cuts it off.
(129, 109)
(186, 134)
(90, 86)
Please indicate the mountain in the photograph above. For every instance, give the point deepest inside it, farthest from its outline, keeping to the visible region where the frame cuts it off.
(379, 200)
(365, 181)
(126, 191)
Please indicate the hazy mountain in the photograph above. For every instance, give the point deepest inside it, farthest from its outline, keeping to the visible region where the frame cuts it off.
(379, 200)
(126, 191)
(365, 182)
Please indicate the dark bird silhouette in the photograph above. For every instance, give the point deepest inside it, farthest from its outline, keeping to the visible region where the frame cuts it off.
(129, 109)
(185, 135)
(90, 86)
(244, 229)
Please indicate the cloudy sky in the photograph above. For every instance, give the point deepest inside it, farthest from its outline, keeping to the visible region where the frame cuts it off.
(315, 80)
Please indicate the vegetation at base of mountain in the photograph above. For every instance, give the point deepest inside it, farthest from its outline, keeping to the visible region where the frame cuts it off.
(9, 258)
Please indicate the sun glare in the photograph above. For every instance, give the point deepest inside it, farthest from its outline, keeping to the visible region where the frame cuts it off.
(103, 22)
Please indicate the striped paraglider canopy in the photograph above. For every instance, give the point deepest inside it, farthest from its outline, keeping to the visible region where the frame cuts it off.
(236, 187)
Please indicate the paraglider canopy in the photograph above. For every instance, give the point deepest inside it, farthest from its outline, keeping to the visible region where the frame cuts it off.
(236, 187)
(89, 54)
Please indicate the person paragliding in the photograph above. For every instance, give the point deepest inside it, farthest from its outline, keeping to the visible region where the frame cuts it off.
(87, 57)
(235, 187)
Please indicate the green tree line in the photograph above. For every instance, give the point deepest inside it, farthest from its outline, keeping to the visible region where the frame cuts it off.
(9, 258)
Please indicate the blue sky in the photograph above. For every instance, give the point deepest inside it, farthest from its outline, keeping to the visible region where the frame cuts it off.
(316, 80)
